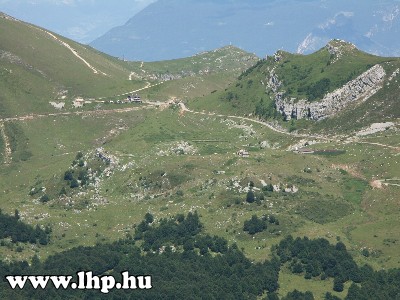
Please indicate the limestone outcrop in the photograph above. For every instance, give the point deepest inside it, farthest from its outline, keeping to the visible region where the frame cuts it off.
(355, 91)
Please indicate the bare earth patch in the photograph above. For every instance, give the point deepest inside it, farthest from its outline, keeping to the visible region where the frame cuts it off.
(376, 184)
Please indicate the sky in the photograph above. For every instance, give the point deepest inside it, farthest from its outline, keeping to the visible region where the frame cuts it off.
(80, 20)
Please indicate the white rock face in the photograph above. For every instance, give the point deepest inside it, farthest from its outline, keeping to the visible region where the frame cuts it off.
(355, 91)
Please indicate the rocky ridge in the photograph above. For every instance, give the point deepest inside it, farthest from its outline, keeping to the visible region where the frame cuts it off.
(355, 91)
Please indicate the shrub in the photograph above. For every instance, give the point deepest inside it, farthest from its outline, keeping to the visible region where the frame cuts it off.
(255, 225)
(45, 198)
(74, 183)
(68, 175)
(250, 197)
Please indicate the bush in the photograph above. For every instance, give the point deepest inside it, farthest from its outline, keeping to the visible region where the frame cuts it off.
(69, 175)
(365, 252)
(63, 191)
(255, 225)
(74, 183)
(268, 188)
(79, 155)
(250, 197)
(45, 198)
(338, 285)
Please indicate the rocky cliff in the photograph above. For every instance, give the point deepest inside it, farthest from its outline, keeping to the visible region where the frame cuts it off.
(355, 91)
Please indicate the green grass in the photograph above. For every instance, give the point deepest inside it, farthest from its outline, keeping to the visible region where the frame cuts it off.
(354, 189)
(2, 149)
(18, 142)
(289, 282)
(323, 211)
(300, 74)
(208, 62)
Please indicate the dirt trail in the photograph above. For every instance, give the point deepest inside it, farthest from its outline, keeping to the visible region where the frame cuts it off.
(89, 112)
(148, 86)
(380, 183)
(76, 113)
(349, 139)
(378, 144)
(185, 109)
(95, 71)
(74, 52)
(7, 146)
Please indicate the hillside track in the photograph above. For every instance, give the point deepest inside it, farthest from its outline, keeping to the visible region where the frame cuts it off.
(337, 139)
(184, 109)
(72, 113)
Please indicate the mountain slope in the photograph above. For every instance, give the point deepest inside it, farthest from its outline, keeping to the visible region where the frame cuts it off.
(327, 85)
(40, 67)
(228, 59)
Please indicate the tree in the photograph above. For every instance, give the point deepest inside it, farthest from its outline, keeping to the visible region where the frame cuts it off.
(188, 245)
(45, 198)
(338, 285)
(329, 296)
(79, 155)
(63, 191)
(255, 225)
(250, 197)
(74, 183)
(268, 188)
(297, 268)
(68, 175)
(297, 295)
(272, 296)
(149, 218)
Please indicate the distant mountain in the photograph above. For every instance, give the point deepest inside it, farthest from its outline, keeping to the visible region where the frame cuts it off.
(169, 29)
(81, 21)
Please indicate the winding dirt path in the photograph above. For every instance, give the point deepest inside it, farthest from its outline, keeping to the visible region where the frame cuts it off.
(378, 144)
(184, 108)
(76, 113)
(148, 86)
(74, 52)
(349, 139)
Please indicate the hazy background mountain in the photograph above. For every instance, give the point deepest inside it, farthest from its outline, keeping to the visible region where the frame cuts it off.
(165, 29)
(80, 20)
(170, 29)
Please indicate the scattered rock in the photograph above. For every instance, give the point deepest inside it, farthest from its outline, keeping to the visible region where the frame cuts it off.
(375, 127)
(59, 105)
